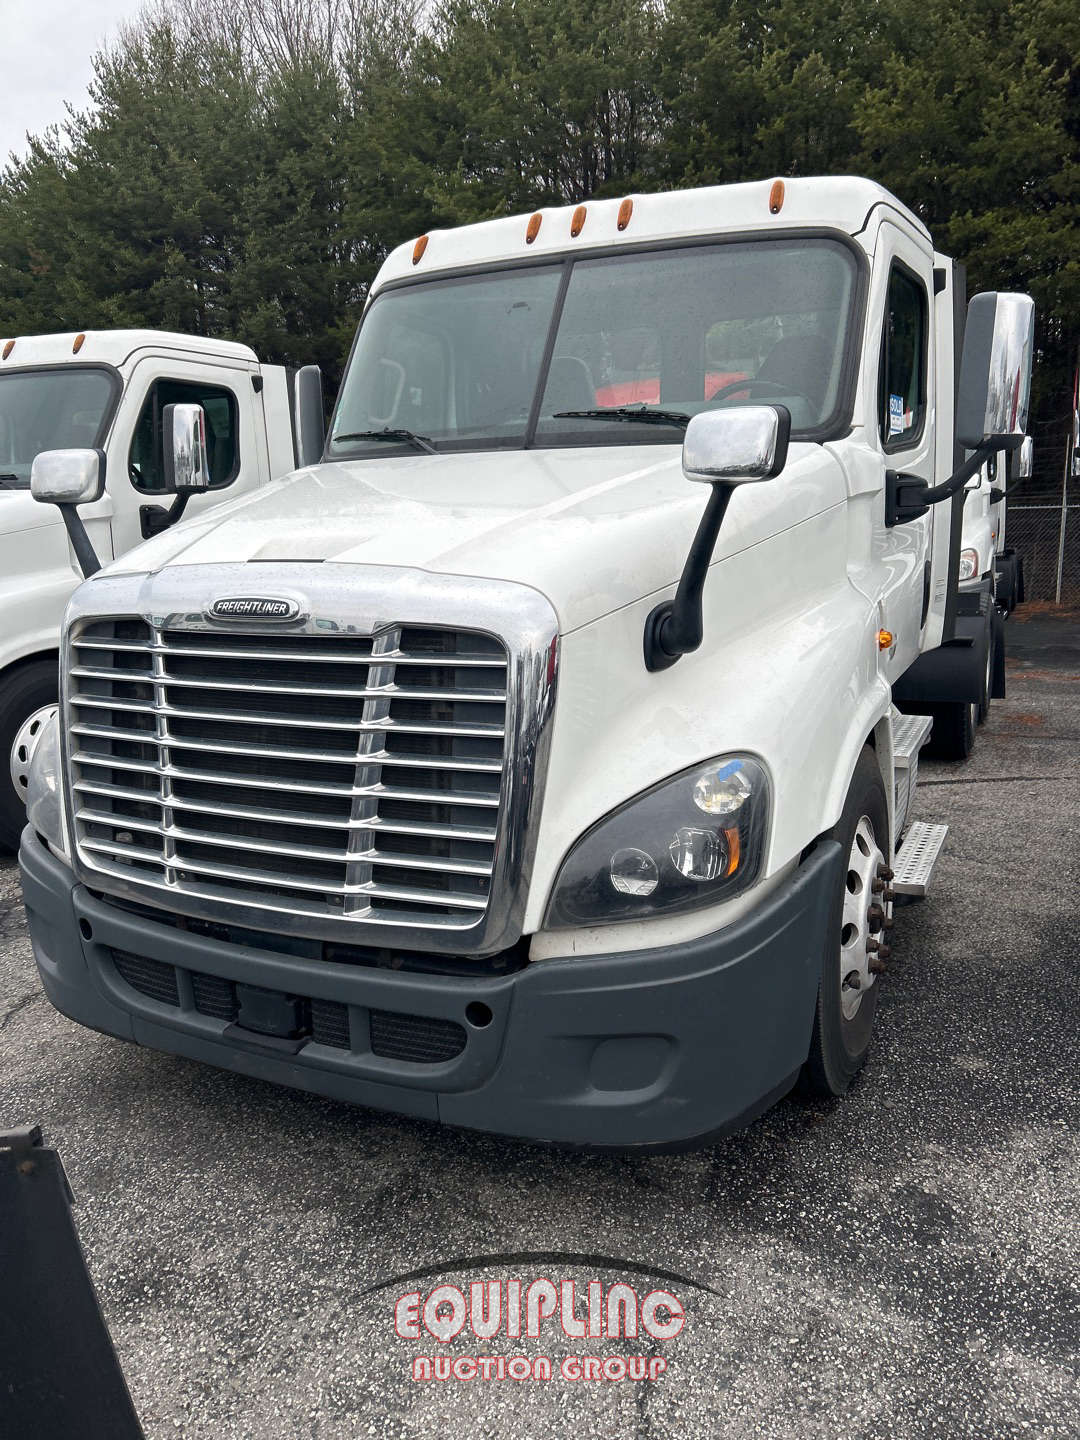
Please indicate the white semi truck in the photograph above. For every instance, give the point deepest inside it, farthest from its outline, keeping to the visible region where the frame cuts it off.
(532, 762)
(107, 390)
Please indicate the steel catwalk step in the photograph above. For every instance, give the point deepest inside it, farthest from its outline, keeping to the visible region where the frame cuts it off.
(914, 864)
(910, 734)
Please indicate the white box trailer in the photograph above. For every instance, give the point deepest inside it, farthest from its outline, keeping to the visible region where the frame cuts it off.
(107, 390)
(531, 763)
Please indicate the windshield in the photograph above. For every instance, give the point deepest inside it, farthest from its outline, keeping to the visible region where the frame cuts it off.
(63, 409)
(513, 357)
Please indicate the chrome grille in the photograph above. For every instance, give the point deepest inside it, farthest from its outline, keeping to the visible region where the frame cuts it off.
(359, 777)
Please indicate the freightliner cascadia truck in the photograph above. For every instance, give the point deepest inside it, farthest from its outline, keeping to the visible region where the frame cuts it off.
(541, 760)
(107, 389)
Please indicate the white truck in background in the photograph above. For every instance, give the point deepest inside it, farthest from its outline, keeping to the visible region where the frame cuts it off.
(107, 390)
(487, 770)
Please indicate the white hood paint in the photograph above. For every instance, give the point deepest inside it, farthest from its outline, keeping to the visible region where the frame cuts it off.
(593, 529)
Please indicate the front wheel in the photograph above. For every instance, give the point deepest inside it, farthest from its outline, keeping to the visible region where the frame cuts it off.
(27, 696)
(860, 917)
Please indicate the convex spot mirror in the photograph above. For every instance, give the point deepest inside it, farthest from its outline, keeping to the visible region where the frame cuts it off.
(995, 373)
(187, 465)
(68, 477)
(736, 446)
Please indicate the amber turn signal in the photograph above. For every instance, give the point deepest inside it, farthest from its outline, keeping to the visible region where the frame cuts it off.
(734, 851)
(885, 639)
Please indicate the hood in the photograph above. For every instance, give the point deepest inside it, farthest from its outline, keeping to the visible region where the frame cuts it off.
(593, 529)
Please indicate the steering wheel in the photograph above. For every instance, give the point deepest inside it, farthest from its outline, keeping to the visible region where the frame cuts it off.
(733, 387)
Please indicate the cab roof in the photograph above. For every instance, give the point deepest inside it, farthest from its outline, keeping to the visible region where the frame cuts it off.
(836, 202)
(114, 347)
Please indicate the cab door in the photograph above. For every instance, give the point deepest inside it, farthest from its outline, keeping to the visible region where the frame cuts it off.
(136, 449)
(906, 425)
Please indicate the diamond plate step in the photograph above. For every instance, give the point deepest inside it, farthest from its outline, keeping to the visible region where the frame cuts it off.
(910, 734)
(916, 858)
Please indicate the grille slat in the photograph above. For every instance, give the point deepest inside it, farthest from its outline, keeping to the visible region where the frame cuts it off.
(199, 767)
(382, 692)
(264, 752)
(300, 722)
(461, 660)
(455, 797)
(278, 817)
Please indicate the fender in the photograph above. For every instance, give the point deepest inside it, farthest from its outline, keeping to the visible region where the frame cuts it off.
(954, 671)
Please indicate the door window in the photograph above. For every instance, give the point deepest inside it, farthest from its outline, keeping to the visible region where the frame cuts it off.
(902, 381)
(146, 461)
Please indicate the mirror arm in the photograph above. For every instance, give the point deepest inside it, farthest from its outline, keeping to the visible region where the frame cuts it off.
(89, 563)
(909, 496)
(675, 627)
(960, 476)
(153, 519)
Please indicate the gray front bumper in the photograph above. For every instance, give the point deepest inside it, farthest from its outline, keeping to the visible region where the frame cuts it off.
(656, 1048)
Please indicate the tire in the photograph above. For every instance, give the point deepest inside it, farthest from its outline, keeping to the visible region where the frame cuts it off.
(953, 735)
(845, 1014)
(25, 689)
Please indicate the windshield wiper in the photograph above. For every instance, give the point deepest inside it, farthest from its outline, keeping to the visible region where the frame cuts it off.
(14, 482)
(419, 441)
(627, 412)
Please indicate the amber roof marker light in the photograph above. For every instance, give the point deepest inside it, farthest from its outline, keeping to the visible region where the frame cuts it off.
(776, 197)
(8, 348)
(626, 209)
(533, 228)
(79, 342)
(577, 224)
(418, 249)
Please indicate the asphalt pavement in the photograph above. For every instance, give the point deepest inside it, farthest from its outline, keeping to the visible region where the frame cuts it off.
(901, 1263)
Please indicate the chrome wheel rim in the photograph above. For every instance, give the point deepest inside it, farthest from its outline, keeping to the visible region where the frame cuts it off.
(863, 917)
(26, 740)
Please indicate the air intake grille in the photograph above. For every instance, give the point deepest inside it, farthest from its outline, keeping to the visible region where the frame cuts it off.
(343, 775)
(416, 1039)
(421, 1039)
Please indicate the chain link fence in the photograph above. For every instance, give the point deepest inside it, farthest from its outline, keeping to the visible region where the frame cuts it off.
(1042, 522)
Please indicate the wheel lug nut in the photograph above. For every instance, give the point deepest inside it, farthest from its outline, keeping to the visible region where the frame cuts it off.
(884, 952)
(872, 946)
(888, 894)
(889, 922)
(875, 917)
(885, 872)
(876, 967)
(877, 886)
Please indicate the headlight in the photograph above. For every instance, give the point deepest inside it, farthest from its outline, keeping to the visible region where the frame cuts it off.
(969, 564)
(689, 842)
(44, 797)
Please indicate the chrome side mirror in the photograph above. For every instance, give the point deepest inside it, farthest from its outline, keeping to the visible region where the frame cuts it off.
(187, 467)
(995, 372)
(68, 477)
(747, 443)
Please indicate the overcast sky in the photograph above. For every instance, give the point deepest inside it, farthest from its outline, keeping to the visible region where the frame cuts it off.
(47, 47)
